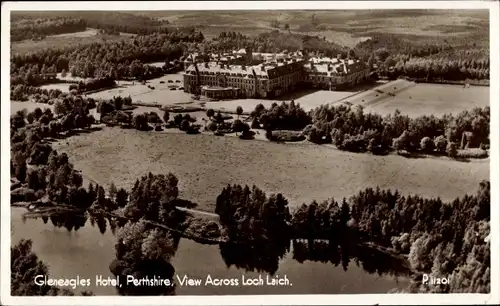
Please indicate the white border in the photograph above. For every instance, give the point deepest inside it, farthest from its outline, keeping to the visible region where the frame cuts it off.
(391, 299)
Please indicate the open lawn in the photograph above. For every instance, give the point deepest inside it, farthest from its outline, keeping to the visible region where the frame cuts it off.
(64, 87)
(421, 99)
(205, 164)
(307, 102)
(58, 41)
(161, 95)
(87, 33)
(29, 106)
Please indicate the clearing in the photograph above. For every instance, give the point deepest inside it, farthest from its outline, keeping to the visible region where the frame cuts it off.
(57, 41)
(29, 106)
(303, 172)
(64, 87)
(421, 99)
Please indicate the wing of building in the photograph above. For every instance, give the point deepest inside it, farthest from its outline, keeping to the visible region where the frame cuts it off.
(262, 75)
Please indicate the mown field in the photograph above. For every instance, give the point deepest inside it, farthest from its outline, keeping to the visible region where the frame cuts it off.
(421, 99)
(205, 164)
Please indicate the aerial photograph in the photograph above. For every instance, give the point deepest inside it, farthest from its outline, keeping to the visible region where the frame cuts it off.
(249, 152)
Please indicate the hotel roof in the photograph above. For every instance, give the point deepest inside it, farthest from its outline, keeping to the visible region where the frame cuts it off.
(261, 70)
(320, 65)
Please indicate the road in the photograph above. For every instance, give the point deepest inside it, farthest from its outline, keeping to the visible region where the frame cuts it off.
(199, 212)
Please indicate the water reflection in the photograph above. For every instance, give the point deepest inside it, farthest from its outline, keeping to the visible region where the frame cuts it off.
(261, 257)
(268, 258)
(70, 221)
(370, 259)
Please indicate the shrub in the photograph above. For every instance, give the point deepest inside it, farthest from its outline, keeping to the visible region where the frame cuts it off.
(284, 135)
(237, 126)
(178, 120)
(314, 136)
(440, 143)
(402, 142)
(451, 149)
(247, 134)
(472, 153)
(22, 194)
(184, 125)
(212, 126)
(427, 145)
(170, 124)
(166, 116)
(193, 129)
(255, 124)
(141, 122)
(153, 117)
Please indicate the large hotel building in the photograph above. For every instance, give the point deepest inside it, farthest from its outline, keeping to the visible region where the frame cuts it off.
(261, 75)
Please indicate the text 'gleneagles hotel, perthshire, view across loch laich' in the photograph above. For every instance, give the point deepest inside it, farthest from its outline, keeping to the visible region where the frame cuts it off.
(250, 152)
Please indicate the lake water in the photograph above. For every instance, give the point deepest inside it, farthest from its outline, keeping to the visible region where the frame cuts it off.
(88, 253)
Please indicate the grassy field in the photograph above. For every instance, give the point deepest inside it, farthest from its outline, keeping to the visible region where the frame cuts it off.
(87, 33)
(58, 41)
(302, 172)
(64, 87)
(29, 106)
(161, 95)
(421, 99)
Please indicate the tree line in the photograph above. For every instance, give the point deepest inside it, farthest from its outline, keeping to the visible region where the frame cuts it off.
(350, 129)
(113, 59)
(284, 116)
(436, 68)
(439, 238)
(108, 21)
(41, 27)
(273, 41)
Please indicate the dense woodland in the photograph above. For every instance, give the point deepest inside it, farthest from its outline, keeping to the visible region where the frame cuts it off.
(439, 238)
(351, 129)
(37, 29)
(119, 60)
(36, 25)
